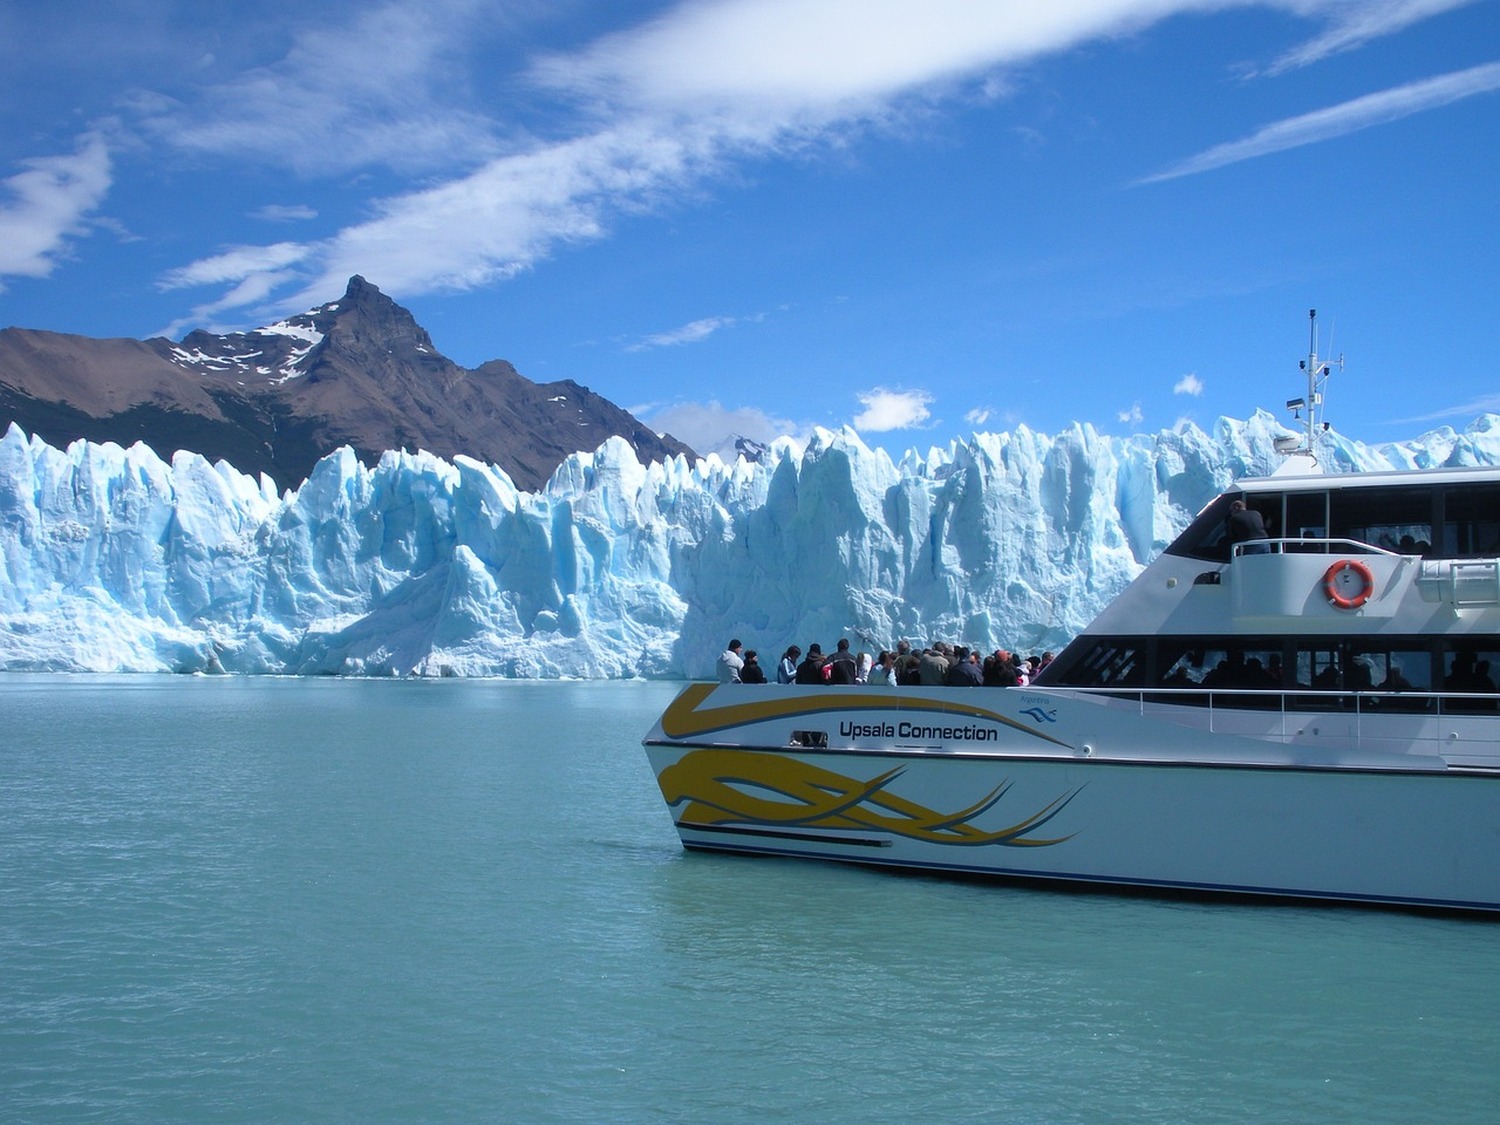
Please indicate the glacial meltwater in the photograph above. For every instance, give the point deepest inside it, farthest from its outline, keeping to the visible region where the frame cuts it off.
(246, 899)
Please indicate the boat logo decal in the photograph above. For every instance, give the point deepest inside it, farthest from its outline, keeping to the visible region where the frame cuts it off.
(1041, 715)
(736, 787)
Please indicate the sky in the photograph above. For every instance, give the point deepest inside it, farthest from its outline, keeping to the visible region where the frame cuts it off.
(760, 216)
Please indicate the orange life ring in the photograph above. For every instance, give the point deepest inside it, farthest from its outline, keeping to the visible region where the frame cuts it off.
(1333, 584)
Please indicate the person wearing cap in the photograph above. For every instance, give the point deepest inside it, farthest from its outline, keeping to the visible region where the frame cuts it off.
(730, 663)
(752, 672)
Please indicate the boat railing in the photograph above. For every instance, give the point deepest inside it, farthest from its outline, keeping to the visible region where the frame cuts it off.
(1308, 547)
(1234, 710)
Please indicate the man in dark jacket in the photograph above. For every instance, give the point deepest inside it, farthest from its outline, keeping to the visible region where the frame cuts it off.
(843, 668)
(964, 671)
(1245, 525)
(810, 671)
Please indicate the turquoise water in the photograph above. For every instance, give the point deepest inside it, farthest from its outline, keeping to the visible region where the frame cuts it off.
(283, 899)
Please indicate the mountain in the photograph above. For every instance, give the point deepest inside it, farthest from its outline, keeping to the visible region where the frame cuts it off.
(358, 372)
(113, 560)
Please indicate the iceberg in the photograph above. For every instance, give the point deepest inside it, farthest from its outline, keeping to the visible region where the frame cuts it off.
(113, 560)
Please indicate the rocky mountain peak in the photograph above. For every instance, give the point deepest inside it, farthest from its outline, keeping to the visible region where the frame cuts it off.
(359, 371)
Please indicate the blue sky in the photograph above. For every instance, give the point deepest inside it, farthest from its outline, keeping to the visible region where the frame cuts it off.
(758, 216)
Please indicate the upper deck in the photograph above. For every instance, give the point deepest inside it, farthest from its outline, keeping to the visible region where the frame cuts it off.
(1364, 579)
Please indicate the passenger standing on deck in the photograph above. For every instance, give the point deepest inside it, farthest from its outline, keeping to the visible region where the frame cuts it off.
(752, 672)
(786, 670)
(1000, 670)
(964, 671)
(932, 669)
(1244, 525)
(810, 671)
(730, 663)
(906, 663)
(843, 668)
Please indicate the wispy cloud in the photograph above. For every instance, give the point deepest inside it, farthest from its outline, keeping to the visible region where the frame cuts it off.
(1189, 384)
(643, 117)
(280, 213)
(656, 112)
(1487, 404)
(1336, 121)
(886, 410)
(692, 333)
(46, 205)
(344, 96)
(1357, 23)
(1132, 415)
(711, 427)
(254, 271)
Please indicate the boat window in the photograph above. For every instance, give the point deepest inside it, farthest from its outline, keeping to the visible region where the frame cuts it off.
(1470, 668)
(1102, 662)
(1396, 669)
(1325, 665)
(1471, 522)
(1206, 538)
(1307, 515)
(1397, 519)
(1196, 662)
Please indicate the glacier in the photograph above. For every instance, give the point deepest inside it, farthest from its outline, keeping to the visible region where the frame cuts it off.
(114, 560)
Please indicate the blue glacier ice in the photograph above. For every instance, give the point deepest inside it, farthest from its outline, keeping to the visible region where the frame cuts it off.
(112, 559)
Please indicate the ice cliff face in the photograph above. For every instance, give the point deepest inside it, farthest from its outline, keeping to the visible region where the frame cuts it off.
(113, 560)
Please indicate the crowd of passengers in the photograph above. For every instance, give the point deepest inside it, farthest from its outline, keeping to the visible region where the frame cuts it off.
(939, 665)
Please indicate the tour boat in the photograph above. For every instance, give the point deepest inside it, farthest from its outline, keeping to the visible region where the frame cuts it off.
(1309, 715)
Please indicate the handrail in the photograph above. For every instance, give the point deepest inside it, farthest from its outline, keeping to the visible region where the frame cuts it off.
(1367, 701)
(1309, 547)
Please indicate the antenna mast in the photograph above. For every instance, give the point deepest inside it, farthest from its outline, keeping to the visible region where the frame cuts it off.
(1317, 371)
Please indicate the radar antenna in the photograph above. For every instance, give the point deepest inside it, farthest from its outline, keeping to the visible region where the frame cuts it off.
(1317, 371)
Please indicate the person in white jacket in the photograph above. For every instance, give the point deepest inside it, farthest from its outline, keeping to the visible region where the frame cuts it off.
(730, 663)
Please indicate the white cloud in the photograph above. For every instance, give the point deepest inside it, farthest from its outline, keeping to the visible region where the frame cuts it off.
(1353, 25)
(656, 111)
(692, 333)
(978, 416)
(1336, 121)
(255, 271)
(711, 427)
(649, 115)
(1189, 384)
(44, 206)
(1132, 416)
(788, 62)
(344, 95)
(891, 410)
(279, 213)
(236, 264)
(1487, 404)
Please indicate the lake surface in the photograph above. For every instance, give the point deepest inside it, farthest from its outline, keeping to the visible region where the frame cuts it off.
(284, 899)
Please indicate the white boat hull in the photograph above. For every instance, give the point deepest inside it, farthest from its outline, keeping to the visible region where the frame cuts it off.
(1049, 786)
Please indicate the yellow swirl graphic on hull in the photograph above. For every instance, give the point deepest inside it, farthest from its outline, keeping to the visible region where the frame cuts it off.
(735, 787)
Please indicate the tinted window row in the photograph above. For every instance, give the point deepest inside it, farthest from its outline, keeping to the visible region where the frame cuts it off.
(1437, 521)
(1387, 664)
